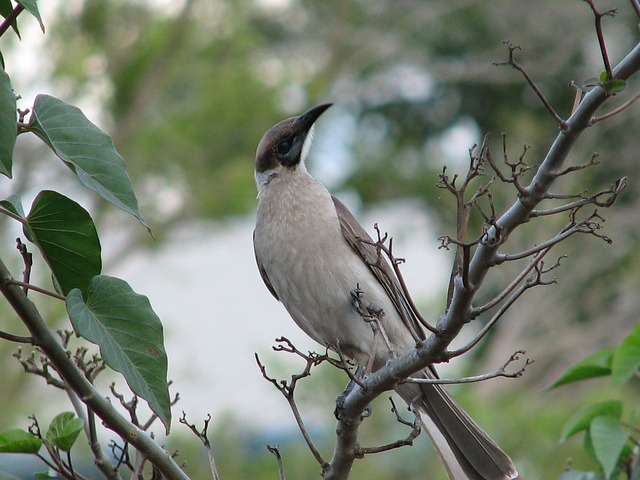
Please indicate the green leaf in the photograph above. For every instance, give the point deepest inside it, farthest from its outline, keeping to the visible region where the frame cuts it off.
(130, 337)
(608, 438)
(14, 205)
(86, 150)
(604, 76)
(19, 441)
(8, 125)
(617, 85)
(64, 430)
(626, 359)
(597, 364)
(6, 7)
(67, 238)
(47, 474)
(31, 6)
(582, 419)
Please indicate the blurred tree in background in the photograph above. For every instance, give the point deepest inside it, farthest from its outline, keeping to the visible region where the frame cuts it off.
(187, 88)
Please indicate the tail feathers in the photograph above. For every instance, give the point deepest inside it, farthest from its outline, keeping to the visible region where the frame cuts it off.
(467, 452)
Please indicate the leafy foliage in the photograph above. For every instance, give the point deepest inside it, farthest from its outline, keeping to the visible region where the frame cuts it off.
(607, 437)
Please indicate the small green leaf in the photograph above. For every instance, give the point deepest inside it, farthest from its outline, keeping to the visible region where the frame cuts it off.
(19, 441)
(608, 438)
(597, 364)
(48, 474)
(130, 337)
(86, 150)
(604, 76)
(582, 419)
(617, 85)
(67, 238)
(8, 125)
(14, 205)
(64, 430)
(31, 6)
(626, 359)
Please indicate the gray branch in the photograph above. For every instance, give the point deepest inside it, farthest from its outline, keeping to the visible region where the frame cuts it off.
(461, 311)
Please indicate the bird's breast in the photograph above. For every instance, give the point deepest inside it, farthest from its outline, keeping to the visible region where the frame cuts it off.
(311, 267)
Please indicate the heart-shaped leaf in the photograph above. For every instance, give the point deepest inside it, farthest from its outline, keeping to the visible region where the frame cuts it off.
(130, 337)
(64, 430)
(67, 238)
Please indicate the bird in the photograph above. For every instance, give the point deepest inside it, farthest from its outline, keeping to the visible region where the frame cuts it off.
(321, 264)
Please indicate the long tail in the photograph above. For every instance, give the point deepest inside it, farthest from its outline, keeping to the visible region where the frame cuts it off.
(465, 449)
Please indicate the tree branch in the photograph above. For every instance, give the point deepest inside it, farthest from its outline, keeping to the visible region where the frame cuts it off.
(459, 311)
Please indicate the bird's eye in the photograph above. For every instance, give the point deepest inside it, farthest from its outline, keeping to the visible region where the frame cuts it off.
(284, 147)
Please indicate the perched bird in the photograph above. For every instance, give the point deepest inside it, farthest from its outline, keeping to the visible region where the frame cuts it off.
(312, 255)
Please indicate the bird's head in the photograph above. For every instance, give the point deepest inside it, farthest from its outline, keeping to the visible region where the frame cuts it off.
(286, 145)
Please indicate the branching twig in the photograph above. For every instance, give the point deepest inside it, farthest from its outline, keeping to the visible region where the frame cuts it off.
(500, 372)
(603, 48)
(288, 389)
(403, 442)
(511, 61)
(202, 435)
(512, 286)
(275, 449)
(613, 192)
(534, 279)
(395, 262)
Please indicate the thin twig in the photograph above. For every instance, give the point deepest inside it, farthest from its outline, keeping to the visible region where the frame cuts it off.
(287, 390)
(17, 338)
(615, 111)
(4, 26)
(511, 61)
(601, 42)
(512, 286)
(27, 286)
(275, 449)
(500, 372)
(202, 435)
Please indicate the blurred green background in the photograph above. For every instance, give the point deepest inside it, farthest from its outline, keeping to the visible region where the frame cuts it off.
(187, 88)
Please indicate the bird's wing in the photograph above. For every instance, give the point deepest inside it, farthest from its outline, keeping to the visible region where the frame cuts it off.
(263, 272)
(364, 246)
